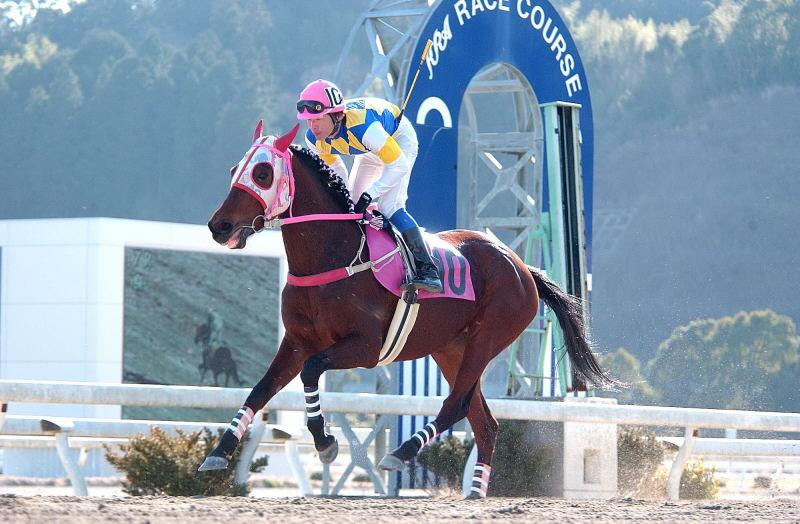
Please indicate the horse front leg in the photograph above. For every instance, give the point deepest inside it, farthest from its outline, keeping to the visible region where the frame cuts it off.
(350, 353)
(325, 444)
(285, 366)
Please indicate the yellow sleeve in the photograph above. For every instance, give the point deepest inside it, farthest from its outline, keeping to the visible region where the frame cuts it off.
(390, 151)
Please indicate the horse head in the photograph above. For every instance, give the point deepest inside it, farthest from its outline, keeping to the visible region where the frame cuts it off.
(262, 188)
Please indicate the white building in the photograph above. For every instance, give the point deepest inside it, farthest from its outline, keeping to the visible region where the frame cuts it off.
(63, 313)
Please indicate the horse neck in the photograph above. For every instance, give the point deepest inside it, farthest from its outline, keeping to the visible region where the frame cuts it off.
(317, 246)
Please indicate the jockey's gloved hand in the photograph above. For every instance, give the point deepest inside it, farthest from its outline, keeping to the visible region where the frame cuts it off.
(363, 202)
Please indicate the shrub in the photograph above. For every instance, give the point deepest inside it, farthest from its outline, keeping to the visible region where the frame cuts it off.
(158, 464)
(640, 473)
(762, 482)
(697, 481)
(639, 456)
(519, 468)
(446, 458)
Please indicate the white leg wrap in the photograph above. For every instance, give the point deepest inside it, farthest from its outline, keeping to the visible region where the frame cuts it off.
(480, 479)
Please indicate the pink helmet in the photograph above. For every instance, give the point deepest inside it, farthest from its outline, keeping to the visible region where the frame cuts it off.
(320, 97)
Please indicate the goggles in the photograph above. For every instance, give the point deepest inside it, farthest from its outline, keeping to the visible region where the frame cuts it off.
(312, 106)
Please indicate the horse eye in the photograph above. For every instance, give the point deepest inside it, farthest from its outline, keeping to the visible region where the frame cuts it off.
(262, 175)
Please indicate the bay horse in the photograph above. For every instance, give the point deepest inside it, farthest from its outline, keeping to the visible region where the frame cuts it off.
(342, 324)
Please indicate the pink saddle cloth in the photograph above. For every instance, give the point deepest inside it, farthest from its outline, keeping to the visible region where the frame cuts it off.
(453, 266)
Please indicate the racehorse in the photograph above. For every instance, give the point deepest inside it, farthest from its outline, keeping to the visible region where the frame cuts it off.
(342, 324)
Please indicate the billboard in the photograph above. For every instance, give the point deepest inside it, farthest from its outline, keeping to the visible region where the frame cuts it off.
(199, 319)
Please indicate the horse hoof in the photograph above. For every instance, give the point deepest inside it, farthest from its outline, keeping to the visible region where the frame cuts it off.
(391, 463)
(211, 463)
(329, 454)
(473, 495)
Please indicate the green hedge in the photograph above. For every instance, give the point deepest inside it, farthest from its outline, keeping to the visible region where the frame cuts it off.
(158, 464)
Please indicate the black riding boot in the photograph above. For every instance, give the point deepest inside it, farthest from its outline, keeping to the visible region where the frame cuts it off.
(427, 275)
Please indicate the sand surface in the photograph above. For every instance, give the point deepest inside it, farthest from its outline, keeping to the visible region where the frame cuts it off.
(369, 510)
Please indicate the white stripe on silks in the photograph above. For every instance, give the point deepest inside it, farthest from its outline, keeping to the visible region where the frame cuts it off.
(419, 437)
(312, 404)
(316, 413)
(427, 435)
(312, 393)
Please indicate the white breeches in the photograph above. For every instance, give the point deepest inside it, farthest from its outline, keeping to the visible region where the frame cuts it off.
(388, 182)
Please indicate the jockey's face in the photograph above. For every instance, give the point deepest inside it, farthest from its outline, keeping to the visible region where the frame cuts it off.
(322, 127)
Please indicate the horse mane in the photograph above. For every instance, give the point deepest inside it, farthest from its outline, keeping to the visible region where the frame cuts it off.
(332, 181)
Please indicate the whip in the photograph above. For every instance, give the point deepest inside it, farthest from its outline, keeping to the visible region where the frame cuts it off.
(413, 82)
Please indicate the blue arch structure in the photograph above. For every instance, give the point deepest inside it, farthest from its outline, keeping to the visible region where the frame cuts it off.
(468, 35)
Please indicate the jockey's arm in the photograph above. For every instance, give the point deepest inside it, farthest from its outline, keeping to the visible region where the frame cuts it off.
(334, 161)
(377, 140)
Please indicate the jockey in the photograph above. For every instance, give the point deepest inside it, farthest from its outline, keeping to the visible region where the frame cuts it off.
(384, 148)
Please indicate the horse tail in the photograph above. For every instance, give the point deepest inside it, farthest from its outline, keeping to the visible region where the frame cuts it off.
(569, 312)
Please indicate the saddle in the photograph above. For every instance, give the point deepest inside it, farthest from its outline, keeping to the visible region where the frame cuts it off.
(392, 262)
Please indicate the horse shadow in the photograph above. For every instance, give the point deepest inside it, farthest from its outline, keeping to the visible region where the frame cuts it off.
(216, 359)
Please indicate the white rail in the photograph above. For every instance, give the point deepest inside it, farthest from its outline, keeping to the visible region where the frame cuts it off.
(209, 397)
(741, 447)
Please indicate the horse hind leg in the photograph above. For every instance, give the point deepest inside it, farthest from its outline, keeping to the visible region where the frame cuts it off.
(484, 427)
(465, 399)
(456, 407)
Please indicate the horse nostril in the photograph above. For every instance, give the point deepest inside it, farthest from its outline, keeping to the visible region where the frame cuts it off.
(223, 227)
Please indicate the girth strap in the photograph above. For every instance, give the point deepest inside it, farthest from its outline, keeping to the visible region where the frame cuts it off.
(328, 276)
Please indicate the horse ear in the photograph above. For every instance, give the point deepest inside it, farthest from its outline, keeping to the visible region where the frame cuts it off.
(283, 142)
(257, 131)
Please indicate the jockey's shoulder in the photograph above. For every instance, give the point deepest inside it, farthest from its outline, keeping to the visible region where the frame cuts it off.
(365, 104)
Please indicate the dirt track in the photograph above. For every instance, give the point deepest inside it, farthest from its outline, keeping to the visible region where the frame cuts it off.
(374, 510)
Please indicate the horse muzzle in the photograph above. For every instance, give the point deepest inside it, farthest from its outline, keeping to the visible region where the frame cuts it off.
(224, 233)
